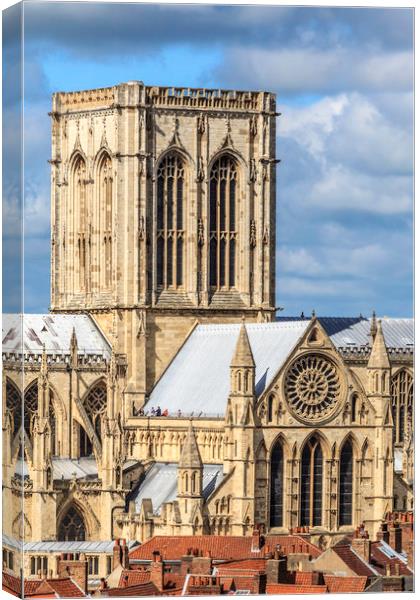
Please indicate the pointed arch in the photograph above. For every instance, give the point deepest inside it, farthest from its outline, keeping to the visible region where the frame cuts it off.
(79, 214)
(170, 219)
(311, 482)
(105, 217)
(223, 221)
(30, 401)
(95, 404)
(72, 525)
(345, 511)
(277, 474)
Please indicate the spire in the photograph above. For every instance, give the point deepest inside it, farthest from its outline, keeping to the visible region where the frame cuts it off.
(190, 455)
(73, 348)
(243, 354)
(379, 356)
(373, 326)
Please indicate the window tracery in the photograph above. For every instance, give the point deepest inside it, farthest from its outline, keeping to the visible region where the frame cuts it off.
(223, 232)
(95, 405)
(14, 405)
(312, 387)
(346, 484)
(277, 486)
(72, 526)
(311, 483)
(80, 209)
(30, 401)
(402, 405)
(170, 221)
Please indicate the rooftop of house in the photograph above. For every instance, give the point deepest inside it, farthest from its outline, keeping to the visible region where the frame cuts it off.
(221, 547)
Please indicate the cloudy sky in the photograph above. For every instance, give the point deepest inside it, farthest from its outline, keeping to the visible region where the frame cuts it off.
(345, 89)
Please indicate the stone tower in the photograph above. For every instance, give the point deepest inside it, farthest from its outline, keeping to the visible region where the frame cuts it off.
(378, 393)
(190, 485)
(163, 213)
(240, 431)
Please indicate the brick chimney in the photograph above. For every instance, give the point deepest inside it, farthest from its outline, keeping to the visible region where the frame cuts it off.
(201, 565)
(116, 554)
(186, 562)
(125, 561)
(395, 536)
(76, 569)
(383, 533)
(276, 568)
(361, 544)
(156, 570)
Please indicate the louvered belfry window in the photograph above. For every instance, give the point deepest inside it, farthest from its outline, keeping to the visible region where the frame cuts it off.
(170, 222)
(223, 196)
(346, 485)
(311, 484)
(402, 405)
(276, 489)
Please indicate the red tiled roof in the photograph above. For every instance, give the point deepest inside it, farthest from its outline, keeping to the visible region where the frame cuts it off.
(142, 589)
(291, 588)
(12, 584)
(132, 577)
(173, 581)
(338, 585)
(63, 588)
(220, 547)
(248, 564)
(380, 561)
(353, 561)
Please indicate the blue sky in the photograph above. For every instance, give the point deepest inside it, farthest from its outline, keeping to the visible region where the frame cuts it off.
(344, 83)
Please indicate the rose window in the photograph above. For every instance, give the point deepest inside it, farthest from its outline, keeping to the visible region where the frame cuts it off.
(312, 387)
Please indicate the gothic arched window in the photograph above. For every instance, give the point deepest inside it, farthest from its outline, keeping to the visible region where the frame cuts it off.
(277, 486)
(346, 484)
(95, 405)
(80, 209)
(311, 483)
(30, 401)
(354, 407)
(14, 404)
(106, 184)
(72, 527)
(170, 221)
(85, 443)
(402, 405)
(270, 408)
(223, 233)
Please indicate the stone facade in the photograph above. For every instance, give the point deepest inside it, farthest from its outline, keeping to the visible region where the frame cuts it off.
(163, 217)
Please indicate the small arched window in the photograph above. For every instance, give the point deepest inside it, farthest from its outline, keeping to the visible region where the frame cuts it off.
(270, 408)
(277, 486)
(170, 221)
(72, 527)
(346, 484)
(354, 408)
(311, 483)
(223, 231)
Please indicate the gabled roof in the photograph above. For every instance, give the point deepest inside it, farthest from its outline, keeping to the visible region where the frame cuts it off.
(141, 589)
(198, 379)
(353, 561)
(341, 585)
(29, 332)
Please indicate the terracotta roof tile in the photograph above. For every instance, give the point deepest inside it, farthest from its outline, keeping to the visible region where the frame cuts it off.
(63, 588)
(248, 564)
(12, 584)
(353, 561)
(142, 589)
(133, 577)
(290, 588)
(337, 584)
(380, 560)
(220, 547)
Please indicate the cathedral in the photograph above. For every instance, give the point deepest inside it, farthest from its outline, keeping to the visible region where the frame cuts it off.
(162, 393)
